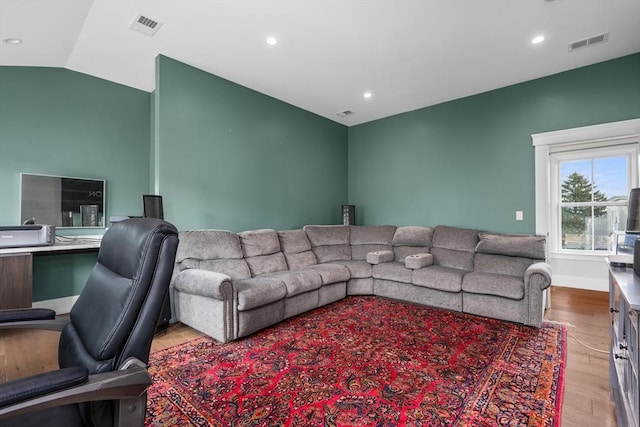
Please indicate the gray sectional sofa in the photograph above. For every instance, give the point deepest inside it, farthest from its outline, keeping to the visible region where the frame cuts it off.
(229, 285)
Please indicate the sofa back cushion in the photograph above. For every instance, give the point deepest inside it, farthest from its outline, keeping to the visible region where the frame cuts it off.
(454, 247)
(410, 240)
(501, 264)
(329, 242)
(365, 239)
(516, 245)
(213, 250)
(261, 250)
(296, 248)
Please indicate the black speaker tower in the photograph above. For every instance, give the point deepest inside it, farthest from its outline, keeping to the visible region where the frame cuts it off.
(348, 215)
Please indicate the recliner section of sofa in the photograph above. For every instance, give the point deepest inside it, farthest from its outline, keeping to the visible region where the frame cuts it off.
(230, 285)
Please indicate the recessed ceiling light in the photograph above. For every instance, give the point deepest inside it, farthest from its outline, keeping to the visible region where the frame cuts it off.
(12, 41)
(537, 39)
(367, 95)
(272, 41)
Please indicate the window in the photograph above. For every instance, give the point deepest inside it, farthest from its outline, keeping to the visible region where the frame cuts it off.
(589, 194)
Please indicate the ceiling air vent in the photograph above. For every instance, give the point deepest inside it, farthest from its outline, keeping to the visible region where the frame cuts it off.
(600, 38)
(345, 113)
(145, 25)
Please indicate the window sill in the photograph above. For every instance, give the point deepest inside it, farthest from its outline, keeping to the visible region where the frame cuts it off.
(574, 256)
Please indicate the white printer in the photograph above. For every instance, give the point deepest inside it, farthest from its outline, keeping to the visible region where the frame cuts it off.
(15, 236)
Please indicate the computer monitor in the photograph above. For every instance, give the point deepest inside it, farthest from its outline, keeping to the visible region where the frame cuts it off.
(152, 206)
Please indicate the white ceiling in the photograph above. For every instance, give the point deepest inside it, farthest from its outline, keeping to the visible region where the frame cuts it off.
(409, 54)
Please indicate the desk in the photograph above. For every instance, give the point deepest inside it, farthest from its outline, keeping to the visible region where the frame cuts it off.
(16, 267)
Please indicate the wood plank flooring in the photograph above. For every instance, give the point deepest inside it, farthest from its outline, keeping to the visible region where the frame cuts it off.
(586, 395)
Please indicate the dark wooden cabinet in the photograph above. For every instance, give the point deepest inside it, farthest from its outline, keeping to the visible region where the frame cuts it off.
(624, 300)
(15, 281)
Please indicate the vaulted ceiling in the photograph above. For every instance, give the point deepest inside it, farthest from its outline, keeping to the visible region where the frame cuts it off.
(329, 53)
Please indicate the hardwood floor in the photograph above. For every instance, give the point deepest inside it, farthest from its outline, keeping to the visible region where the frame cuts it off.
(586, 394)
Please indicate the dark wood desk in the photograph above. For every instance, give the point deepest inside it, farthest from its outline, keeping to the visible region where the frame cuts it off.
(16, 268)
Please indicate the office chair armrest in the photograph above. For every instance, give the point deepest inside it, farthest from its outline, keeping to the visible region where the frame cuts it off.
(38, 385)
(127, 384)
(22, 314)
(31, 318)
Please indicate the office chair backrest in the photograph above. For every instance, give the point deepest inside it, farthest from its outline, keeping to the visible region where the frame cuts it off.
(116, 314)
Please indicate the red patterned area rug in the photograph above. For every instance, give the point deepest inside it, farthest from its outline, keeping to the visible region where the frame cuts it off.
(365, 361)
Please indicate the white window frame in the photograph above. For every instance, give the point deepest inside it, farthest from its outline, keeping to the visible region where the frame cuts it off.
(577, 138)
(626, 147)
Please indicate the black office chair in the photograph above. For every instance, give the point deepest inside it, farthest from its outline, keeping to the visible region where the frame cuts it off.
(105, 342)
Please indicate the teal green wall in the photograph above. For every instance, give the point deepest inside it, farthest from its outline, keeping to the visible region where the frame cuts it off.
(470, 162)
(232, 158)
(225, 156)
(60, 122)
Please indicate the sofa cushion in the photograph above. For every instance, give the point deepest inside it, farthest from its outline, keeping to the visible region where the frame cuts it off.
(294, 241)
(454, 238)
(462, 260)
(394, 271)
(321, 235)
(358, 269)
(526, 246)
(329, 242)
(299, 260)
(258, 291)
(234, 268)
(412, 235)
(371, 234)
(331, 273)
(259, 242)
(438, 277)
(266, 263)
(332, 253)
(360, 251)
(208, 244)
(501, 285)
(500, 264)
(298, 282)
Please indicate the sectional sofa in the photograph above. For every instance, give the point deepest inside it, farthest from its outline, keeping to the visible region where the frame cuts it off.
(229, 285)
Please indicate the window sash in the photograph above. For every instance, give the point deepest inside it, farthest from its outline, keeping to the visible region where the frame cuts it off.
(625, 147)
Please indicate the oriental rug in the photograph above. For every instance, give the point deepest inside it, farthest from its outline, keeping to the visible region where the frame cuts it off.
(365, 361)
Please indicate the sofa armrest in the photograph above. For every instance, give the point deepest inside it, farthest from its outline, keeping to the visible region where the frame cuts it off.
(417, 261)
(205, 283)
(539, 275)
(379, 257)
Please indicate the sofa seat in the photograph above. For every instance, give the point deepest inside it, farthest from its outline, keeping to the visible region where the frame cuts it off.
(297, 282)
(501, 285)
(395, 271)
(258, 291)
(358, 269)
(437, 277)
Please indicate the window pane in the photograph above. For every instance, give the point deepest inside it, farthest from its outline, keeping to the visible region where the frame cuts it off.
(574, 228)
(610, 177)
(590, 228)
(576, 180)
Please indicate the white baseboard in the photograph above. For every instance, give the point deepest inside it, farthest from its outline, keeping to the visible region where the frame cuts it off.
(587, 283)
(59, 305)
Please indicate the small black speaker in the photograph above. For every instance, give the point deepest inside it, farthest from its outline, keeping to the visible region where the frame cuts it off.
(636, 257)
(152, 206)
(633, 213)
(348, 215)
